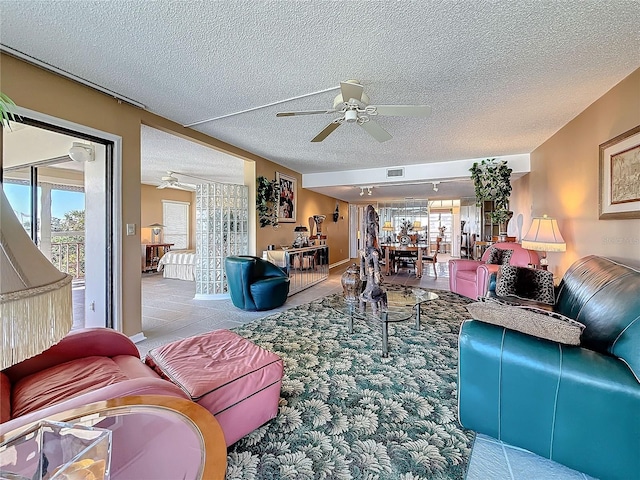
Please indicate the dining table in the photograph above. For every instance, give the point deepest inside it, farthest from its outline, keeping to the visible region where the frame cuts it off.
(398, 250)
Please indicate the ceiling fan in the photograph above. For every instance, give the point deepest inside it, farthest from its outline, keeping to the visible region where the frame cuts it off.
(170, 181)
(354, 106)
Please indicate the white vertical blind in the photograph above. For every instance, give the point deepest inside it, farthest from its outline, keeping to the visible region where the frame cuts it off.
(175, 218)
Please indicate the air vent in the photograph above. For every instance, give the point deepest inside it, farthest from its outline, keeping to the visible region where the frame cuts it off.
(395, 172)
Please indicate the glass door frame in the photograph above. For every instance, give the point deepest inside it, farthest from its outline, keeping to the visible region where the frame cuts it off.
(113, 201)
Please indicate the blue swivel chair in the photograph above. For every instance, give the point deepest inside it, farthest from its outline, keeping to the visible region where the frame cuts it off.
(255, 284)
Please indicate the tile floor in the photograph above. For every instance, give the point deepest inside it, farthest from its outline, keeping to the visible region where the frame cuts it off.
(169, 313)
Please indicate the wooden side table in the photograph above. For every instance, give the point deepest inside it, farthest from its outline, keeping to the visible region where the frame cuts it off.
(154, 436)
(152, 253)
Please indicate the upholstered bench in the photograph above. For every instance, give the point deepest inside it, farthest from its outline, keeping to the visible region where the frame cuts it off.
(236, 380)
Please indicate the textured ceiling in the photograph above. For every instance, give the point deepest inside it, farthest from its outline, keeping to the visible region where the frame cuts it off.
(501, 77)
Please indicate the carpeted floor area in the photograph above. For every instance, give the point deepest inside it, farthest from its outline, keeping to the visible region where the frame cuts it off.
(346, 412)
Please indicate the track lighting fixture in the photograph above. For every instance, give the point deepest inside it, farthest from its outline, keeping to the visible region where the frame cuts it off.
(368, 189)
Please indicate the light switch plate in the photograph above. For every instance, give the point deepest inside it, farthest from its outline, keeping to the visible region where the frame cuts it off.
(131, 228)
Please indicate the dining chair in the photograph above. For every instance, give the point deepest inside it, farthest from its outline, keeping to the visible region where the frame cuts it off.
(432, 257)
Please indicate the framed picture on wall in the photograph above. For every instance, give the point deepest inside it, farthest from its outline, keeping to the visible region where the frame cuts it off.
(288, 197)
(620, 176)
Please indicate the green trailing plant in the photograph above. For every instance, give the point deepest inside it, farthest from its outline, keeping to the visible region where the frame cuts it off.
(492, 182)
(267, 195)
(7, 110)
(501, 216)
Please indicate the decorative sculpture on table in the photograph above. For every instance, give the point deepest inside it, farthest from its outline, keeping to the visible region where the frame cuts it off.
(370, 263)
(319, 219)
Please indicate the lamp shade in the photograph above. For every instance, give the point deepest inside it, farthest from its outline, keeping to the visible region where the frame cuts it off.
(417, 225)
(544, 235)
(387, 227)
(35, 297)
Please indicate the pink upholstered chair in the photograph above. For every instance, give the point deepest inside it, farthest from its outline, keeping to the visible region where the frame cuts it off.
(471, 277)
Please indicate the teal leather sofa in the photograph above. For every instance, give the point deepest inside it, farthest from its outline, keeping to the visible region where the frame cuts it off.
(255, 284)
(577, 405)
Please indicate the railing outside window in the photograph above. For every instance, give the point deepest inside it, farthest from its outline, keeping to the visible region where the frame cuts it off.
(68, 257)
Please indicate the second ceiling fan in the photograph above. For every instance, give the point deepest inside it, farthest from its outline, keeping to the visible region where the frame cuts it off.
(354, 106)
(170, 181)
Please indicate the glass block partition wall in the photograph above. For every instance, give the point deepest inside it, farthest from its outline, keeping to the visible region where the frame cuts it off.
(222, 229)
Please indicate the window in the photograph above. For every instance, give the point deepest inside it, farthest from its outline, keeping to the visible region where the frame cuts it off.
(175, 218)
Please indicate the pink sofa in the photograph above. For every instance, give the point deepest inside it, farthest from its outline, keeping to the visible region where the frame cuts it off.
(236, 380)
(471, 277)
(86, 366)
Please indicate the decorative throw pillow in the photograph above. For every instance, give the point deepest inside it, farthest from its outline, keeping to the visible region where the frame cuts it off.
(498, 256)
(532, 321)
(527, 283)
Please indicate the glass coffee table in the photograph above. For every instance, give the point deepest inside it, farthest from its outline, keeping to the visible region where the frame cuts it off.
(401, 306)
(153, 437)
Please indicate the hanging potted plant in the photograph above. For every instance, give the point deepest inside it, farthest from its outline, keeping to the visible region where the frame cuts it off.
(492, 182)
(267, 194)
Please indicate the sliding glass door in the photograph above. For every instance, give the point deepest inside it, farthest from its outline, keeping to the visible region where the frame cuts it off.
(65, 207)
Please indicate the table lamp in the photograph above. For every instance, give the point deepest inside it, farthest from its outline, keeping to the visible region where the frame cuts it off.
(387, 227)
(36, 309)
(544, 236)
(156, 228)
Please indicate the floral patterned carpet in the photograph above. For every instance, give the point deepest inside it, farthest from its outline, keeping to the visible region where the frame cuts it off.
(346, 412)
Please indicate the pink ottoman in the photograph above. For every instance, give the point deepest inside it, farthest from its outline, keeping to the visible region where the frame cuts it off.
(236, 380)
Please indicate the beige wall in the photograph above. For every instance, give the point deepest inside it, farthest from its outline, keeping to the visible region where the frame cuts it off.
(36, 89)
(151, 209)
(309, 203)
(563, 182)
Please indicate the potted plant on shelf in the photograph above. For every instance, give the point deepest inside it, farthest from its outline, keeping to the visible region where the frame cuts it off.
(492, 182)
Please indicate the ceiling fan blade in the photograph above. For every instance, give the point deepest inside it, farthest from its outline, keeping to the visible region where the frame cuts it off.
(180, 186)
(162, 185)
(326, 131)
(376, 131)
(308, 112)
(400, 110)
(351, 90)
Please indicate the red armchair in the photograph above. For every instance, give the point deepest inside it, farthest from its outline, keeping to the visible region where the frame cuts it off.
(471, 277)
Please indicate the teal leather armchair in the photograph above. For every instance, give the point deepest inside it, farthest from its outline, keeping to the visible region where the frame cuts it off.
(577, 405)
(255, 284)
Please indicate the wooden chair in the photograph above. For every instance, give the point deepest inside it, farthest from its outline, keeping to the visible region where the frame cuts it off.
(509, 239)
(405, 259)
(432, 257)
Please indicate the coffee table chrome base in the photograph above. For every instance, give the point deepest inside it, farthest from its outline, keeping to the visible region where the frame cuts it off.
(402, 306)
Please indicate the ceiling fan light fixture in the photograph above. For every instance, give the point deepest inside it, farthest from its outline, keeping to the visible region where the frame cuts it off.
(354, 106)
(351, 116)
